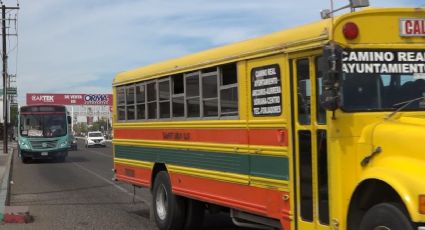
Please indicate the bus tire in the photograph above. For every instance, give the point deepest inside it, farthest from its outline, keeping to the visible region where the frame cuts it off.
(169, 209)
(386, 216)
(25, 160)
(195, 212)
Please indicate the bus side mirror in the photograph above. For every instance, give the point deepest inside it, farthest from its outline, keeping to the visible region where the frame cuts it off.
(332, 63)
(69, 120)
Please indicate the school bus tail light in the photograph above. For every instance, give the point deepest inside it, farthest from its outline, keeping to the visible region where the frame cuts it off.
(350, 30)
(422, 204)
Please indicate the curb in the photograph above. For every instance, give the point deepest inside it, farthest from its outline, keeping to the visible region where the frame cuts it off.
(11, 214)
(4, 189)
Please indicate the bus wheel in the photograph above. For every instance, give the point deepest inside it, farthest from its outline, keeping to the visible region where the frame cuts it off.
(169, 209)
(385, 216)
(25, 159)
(195, 212)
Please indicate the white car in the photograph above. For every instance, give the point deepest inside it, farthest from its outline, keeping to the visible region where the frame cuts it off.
(95, 139)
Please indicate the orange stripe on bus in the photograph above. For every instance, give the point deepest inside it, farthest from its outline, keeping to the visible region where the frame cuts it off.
(272, 137)
(262, 201)
(133, 175)
(265, 202)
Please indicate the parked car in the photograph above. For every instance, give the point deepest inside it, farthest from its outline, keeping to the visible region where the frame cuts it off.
(95, 139)
(73, 143)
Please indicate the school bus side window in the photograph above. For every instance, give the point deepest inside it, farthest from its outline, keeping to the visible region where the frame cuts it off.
(321, 112)
(209, 92)
(228, 90)
(140, 101)
(164, 98)
(130, 107)
(192, 95)
(178, 96)
(304, 84)
(152, 100)
(121, 103)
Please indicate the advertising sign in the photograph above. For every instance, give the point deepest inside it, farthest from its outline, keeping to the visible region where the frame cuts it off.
(68, 99)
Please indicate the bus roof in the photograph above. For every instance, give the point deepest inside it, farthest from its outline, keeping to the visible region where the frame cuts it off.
(274, 42)
(310, 35)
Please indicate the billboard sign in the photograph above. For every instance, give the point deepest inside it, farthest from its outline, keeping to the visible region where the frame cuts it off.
(68, 99)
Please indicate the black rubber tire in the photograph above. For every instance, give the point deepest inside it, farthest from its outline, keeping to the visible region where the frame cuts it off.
(195, 212)
(387, 215)
(25, 160)
(174, 205)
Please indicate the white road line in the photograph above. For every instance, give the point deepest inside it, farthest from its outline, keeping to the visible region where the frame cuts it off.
(122, 189)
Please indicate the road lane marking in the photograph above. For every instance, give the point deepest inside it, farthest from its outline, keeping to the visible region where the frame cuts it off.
(122, 189)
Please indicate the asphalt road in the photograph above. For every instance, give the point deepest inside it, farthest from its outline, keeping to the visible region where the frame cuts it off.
(79, 194)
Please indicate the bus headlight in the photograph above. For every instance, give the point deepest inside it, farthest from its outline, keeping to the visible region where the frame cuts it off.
(64, 144)
(24, 145)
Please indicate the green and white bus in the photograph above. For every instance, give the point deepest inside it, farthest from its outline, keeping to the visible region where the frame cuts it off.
(43, 132)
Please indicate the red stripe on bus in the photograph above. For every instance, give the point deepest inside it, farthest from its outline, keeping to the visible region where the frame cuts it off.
(261, 201)
(272, 137)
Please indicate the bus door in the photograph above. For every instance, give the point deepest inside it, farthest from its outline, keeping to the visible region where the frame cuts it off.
(309, 143)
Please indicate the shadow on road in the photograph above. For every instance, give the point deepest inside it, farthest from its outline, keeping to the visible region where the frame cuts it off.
(69, 159)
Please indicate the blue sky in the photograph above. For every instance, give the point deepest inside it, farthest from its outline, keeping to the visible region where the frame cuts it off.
(77, 46)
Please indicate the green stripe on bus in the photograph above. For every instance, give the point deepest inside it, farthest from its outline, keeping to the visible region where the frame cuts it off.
(273, 167)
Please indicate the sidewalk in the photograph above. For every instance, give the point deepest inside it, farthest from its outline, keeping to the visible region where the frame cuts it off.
(5, 164)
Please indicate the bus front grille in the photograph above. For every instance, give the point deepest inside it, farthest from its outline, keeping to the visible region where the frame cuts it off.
(44, 144)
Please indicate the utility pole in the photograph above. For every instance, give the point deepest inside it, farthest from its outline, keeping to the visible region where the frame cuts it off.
(4, 58)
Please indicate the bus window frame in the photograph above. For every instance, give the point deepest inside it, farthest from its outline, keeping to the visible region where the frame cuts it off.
(141, 103)
(186, 112)
(159, 81)
(201, 75)
(229, 86)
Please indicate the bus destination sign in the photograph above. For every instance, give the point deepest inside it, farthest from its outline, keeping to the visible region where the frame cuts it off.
(383, 61)
(412, 27)
(266, 91)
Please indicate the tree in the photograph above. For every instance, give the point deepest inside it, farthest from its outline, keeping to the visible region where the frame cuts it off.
(13, 115)
(80, 128)
(100, 125)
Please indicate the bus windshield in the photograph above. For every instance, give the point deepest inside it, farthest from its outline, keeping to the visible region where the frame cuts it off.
(382, 92)
(43, 125)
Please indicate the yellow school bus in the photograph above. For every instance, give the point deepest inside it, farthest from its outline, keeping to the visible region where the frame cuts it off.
(317, 127)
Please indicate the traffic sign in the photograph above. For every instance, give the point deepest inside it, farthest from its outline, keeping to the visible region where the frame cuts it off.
(10, 91)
